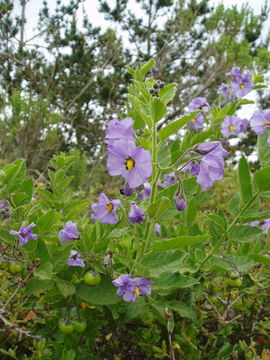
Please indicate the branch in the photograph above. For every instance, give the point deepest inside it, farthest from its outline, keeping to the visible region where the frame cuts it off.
(21, 332)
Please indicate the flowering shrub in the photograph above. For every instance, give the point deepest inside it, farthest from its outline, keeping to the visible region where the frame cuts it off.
(148, 253)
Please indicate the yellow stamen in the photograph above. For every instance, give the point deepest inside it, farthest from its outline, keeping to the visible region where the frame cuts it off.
(137, 291)
(109, 207)
(130, 164)
(193, 120)
(231, 127)
(266, 123)
(242, 86)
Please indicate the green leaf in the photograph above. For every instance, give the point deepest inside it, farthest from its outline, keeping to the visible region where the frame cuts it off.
(46, 222)
(183, 310)
(167, 93)
(225, 352)
(65, 287)
(264, 149)
(102, 294)
(44, 271)
(265, 260)
(242, 263)
(262, 178)
(157, 109)
(244, 180)
(162, 261)
(61, 255)
(179, 242)
(146, 144)
(15, 172)
(169, 281)
(35, 285)
(158, 208)
(68, 355)
(176, 125)
(244, 233)
(140, 73)
(164, 156)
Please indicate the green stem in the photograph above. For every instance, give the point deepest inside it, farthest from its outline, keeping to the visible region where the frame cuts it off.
(251, 200)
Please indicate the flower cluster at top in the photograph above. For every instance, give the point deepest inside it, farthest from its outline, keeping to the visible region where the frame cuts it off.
(130, 288)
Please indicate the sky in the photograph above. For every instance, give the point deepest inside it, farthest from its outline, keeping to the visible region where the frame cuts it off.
(91, 7)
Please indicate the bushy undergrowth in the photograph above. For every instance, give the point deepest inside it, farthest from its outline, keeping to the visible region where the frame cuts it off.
(177, 268)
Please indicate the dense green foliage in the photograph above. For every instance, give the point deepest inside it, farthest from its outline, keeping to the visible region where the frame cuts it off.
(210, 291)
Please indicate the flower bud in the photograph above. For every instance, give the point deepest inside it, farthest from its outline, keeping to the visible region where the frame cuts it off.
(126, 190)
(206, 148)
(181, 204)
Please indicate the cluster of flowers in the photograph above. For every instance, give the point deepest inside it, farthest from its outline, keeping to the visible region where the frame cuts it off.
(241, 85)
(130, 161)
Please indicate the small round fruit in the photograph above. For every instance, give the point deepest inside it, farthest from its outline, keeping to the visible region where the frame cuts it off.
(92, 278)
(15, 267)
(236, 283)
(79, 325)
(65, 327)
(234, 275)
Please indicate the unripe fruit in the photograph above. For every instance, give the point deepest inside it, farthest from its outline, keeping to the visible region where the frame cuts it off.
(234, 275)
(235, 283)
(79, 325)
(65, 327)
(92, 278)
(15, 268)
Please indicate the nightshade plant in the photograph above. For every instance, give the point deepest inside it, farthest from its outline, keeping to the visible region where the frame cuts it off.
(155, 242)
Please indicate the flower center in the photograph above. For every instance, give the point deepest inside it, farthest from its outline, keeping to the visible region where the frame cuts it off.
(242, 86)
(193, 120)
(137, 291)
(130, 164)
(231, 127)
(22, 234)
(109, 207)
(266, 123)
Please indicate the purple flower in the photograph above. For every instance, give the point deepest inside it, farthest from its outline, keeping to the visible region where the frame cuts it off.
(233, 125)
(193, 167)
(170, 179)
(180, 203)
(69, 232)
(119, 130)
(131, 288)
(260, 121)
(197, 122)
(75, 259)
(199, 103)
(136, 214)
(242, 85)
(126, 190)
(253, 223)
(154, 70)
(211, 167)
(25, 233)
(144, 191)
(3, 204)
(105, 209)
(266, 226)
(224, 90)
(235, 72)
(157, 228)
(133, 163)
(206, 148)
